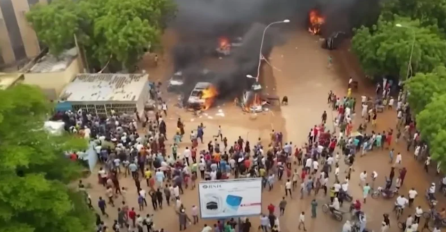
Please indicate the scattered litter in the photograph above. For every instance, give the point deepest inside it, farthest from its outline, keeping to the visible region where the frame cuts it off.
(266, 109)
(210, 117)
(192, 119)
(220, 111)
(220, 114)
(205, 114)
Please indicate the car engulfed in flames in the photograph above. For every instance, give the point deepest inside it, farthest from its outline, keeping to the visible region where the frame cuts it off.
(202, 96)
(315, 22)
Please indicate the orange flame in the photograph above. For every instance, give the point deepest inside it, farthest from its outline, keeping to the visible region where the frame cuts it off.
(224, 44)
(316, 22)
(257, 101)
(209, 95)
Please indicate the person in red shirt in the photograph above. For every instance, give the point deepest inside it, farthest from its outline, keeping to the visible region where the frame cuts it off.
(194, 154)
(332, 146)
(303, 175)
(315, 132)
(132, 216)
(288, 172)
(247, 163)
(271, 208)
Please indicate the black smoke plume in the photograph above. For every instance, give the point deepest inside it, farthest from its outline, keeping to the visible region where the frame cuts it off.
(200, 23)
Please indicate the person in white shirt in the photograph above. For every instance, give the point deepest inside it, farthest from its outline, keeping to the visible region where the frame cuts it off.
(288, 186)
(347, 227)
(336, 173)
(308, 163)
(399, 159)
(412, 194)
(391, 102)
(194, 212)
(337, 187)
(415, 227)
(315, 166)
(335, 205)
(418, 213)
(176, 191)
(302, 221)
(337, 158)
(401, 202)
(362, 178)
(409, 222)
(344, 187)
(427, 163)
(186, 155)
(206, 228)
(178, 203)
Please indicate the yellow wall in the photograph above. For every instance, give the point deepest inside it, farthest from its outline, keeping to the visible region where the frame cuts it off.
(54, 81)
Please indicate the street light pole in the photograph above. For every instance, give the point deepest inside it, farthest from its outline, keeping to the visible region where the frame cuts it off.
(261, 47)
(409, 65)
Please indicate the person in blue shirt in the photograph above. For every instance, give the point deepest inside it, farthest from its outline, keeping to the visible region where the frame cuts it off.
(102, 205)
(200, 133)
(223, 165)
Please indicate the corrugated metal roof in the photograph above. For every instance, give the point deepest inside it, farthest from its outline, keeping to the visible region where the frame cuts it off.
(105, 87)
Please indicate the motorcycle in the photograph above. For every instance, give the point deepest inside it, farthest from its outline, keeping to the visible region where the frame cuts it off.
(345, 196)
(431, 199)
(437, 220)
(337, 214)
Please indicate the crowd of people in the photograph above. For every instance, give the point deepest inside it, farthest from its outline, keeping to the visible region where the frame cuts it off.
(161, 172)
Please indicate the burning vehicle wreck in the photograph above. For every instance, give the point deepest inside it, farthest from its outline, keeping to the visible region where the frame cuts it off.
(225, 45)
(228, 80)
(315, 22)
(202, 96)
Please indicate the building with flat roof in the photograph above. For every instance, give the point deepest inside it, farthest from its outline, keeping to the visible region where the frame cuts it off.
(18, 41)
(52, 73)
(101, 93)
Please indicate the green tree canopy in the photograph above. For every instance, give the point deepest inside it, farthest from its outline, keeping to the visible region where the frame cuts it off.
(55, 25)
(427, 11)
(423, 86)
(385, 48)
(109, 31)
(430, 121)
(34, 196)
(432, 126)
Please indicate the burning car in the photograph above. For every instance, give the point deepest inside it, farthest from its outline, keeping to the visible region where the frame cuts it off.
(202, 96)
(225, 45)
(315, 22)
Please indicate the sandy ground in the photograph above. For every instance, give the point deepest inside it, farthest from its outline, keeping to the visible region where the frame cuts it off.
(301, 72)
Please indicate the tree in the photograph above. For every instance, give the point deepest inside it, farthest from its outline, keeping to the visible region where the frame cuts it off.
(423, 86)
(55, 24)
(431, 120)
(427, 11)
(432, 126)
(34, 173)
(109, 31)
(385, 48)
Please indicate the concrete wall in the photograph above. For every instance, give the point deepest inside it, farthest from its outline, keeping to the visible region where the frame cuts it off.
(18, 40)
(55, 81)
